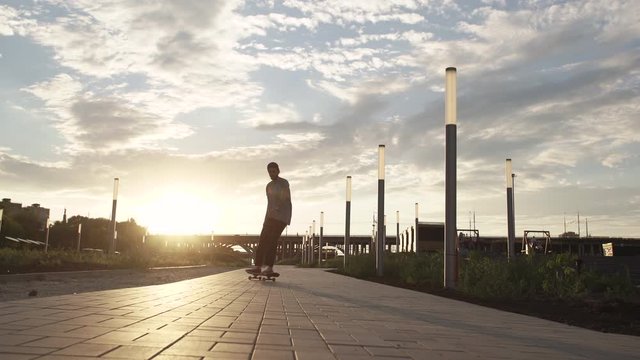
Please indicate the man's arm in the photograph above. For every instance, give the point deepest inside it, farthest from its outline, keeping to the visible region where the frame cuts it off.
(287, 201)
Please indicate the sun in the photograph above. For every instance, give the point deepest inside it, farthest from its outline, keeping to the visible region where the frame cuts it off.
(179, 212)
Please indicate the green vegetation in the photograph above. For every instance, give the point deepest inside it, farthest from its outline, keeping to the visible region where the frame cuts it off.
(485, 277)
(24, 260)
(64, 235)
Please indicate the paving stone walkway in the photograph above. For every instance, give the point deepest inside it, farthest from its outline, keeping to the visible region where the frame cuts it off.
(307, 314)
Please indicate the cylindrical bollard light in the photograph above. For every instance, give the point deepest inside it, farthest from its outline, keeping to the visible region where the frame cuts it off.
(511, 226)
(417, 232)
(450, 109)
(79, 236)
(347, 224)
(305, 248)
(312, 249)
(406, 239)
(413, 236)
(46, 240)
(397, 231)
(321, 242)
(112, 227)
(381, 228)
(385, 233)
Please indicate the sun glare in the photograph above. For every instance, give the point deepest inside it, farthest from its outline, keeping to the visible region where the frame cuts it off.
(179, 213)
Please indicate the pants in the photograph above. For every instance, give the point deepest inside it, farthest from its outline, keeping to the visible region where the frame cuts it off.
(268, 244)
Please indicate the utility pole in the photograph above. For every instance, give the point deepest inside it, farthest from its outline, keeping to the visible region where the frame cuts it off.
(578, 223)
(586, 224)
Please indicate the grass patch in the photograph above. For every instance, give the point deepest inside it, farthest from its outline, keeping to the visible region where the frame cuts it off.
(491, 278)
(13, 261)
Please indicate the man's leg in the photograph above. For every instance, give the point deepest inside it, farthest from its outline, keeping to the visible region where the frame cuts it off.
(271, 243)
(258, 259)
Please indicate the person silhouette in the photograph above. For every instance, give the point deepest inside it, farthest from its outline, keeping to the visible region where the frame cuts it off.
(278, 216)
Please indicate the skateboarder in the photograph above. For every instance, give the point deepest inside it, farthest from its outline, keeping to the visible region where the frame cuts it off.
(277, 218)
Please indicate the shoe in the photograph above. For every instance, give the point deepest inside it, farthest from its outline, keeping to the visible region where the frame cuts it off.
(254, 270)
(268, 271)
(270, 274)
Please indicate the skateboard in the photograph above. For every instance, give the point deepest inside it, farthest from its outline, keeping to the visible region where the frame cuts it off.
(271, 276)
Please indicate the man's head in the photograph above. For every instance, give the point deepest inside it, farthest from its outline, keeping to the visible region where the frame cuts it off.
(273, 170)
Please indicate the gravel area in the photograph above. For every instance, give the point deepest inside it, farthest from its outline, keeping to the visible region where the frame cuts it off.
(25, 286)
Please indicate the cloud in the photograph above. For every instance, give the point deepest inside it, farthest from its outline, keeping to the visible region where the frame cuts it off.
(184, 50)
(13, 21)
(614, 160)
(286, 146)
(274, 114)
(344, 12)
(91, 123)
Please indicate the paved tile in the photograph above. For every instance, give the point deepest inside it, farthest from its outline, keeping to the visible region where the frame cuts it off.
(54, 342)
(132, 352)
(307, 314)
(9, 339)
(85, 349)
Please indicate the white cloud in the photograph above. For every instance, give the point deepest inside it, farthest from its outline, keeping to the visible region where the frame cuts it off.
(614, 160)
(300, 138)
(12, 21)
(283, 147)
(273, 114)
(374, 86)
(360, 11)
(185, 50)
(91, 123)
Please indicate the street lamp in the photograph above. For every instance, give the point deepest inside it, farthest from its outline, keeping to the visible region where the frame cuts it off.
(112, 230)
(381, 229)
(347, 223)
(450, 109)
(511, 231)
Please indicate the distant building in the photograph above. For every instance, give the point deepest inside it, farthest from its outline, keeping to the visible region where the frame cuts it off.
(40, 213)
(9, 207)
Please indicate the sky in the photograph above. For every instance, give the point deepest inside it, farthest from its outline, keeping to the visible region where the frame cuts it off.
(186, 102)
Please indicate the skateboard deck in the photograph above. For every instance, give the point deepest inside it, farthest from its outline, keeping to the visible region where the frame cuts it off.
(264, 277)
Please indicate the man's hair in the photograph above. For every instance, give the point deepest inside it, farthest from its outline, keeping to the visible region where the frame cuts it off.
(273, 165)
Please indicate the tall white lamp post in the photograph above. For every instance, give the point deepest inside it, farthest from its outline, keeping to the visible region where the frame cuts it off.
(450, 179)
(381, 227)
(112, 229)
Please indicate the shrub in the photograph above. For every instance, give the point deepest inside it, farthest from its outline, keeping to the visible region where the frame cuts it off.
(492, 277)
(25, 260)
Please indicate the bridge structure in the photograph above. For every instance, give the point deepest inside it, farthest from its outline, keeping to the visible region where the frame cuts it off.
(289, 246)
(428, 238)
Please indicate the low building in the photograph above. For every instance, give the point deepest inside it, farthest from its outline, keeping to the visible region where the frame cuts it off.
(39, 212)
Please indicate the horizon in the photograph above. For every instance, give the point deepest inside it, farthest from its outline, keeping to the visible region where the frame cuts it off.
(391, 228)
(186, 103)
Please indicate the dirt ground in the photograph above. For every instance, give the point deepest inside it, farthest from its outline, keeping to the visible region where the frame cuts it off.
(25, 286)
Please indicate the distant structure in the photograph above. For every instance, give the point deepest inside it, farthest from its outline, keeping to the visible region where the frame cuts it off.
(64, 216)
(40, 213)
(569, 234)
